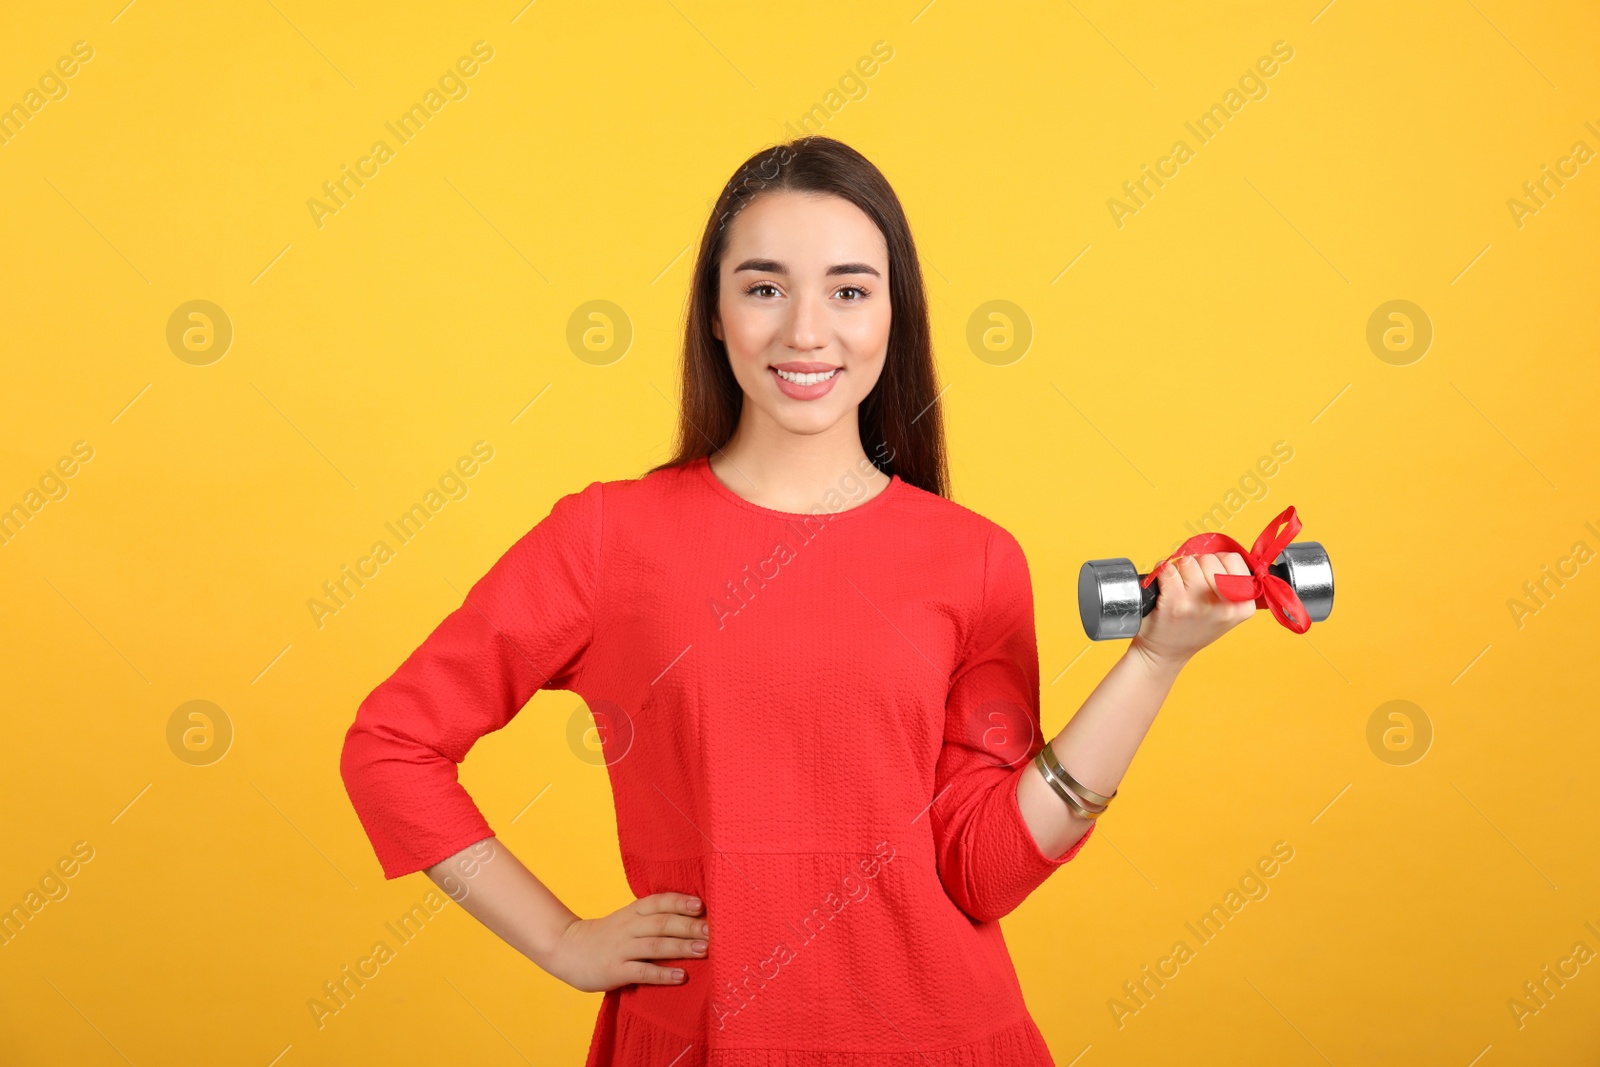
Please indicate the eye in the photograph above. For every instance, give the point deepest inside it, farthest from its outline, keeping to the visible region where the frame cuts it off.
(750, 291)
(856, 288)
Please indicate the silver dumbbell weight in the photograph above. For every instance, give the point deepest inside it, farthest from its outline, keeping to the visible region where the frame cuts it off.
(1112, 604)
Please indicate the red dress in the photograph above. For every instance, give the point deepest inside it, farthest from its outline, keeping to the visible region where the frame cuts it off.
(816, 723)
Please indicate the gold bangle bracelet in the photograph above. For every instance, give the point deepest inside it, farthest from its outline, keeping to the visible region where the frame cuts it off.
(1072, 801)
(1088, 795)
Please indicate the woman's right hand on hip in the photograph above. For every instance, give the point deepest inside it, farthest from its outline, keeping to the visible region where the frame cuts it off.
(596, 955)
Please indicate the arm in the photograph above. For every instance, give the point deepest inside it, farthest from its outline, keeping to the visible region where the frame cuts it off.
(1000, 830)
(593, 955)
(523, 626)
(987, 854)
(1098, 744)
(496, 889)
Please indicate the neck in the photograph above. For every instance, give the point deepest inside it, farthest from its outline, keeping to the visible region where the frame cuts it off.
(786, 471)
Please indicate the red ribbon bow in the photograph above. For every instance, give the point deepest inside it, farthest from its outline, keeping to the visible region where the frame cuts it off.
(1260, 585)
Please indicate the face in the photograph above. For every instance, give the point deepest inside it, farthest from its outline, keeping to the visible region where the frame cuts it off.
(803, 309)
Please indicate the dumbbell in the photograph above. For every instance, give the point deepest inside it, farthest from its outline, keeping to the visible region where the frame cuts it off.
(1111, 602)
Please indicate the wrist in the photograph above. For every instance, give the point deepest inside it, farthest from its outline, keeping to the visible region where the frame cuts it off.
(1163, 667)
(547, 942)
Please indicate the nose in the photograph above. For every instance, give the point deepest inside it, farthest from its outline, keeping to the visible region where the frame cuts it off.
(807, 323)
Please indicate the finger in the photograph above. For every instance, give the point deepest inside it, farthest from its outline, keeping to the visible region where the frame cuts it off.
(683, 903)
(650, 974)
(1169, 582)
(1167, 575)
(1234, 563)
(1193, 579)
(1230, 563)
(1210, 566)
(665, 948)
(669, 924)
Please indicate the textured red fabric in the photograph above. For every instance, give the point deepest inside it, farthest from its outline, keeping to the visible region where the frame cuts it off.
(816, 723)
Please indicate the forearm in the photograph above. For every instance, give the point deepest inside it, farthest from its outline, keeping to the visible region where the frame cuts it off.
(1097, 745)
(494, 886)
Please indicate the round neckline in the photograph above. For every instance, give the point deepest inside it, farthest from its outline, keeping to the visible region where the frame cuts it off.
(704, 463)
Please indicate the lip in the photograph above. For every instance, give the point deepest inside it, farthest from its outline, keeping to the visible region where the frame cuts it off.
(804, 392)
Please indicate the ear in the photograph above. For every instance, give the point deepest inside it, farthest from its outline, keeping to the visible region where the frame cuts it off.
(716, 326)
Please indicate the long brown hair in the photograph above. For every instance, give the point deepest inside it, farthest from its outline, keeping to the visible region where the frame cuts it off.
(899, 420)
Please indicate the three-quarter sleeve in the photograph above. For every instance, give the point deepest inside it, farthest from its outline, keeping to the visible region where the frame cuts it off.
(987, 857)
(524, 626)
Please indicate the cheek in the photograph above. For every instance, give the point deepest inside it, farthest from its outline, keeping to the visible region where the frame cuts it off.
(869, 330)
(745, 334)
(866, 337)
(864, 375)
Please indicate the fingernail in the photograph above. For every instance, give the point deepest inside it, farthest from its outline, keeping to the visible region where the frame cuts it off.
(678, 976)
(694, 903)
(705, 928)
(697, 946)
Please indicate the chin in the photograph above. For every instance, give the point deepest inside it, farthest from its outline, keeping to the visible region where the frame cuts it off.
(813, 420)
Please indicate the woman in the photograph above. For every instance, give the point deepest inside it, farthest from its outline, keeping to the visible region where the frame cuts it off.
(816, 679)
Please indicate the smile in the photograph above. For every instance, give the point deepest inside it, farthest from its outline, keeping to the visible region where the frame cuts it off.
(806, 379)
(814, 381)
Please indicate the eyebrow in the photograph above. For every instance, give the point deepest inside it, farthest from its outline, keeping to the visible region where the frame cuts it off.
(772, 266)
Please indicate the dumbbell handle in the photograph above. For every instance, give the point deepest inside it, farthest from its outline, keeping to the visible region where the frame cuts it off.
(1106, 589)
(1149, 594)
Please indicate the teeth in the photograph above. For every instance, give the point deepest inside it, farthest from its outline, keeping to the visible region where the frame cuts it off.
(806, 379)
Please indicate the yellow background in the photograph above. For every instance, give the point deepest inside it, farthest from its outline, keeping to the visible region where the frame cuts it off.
(369, 353)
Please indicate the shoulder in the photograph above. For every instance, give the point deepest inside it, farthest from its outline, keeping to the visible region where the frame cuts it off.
(956, 521)
(605, 500)
(576, 523)
(979, 565)
(970, 548)
(644, 490)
